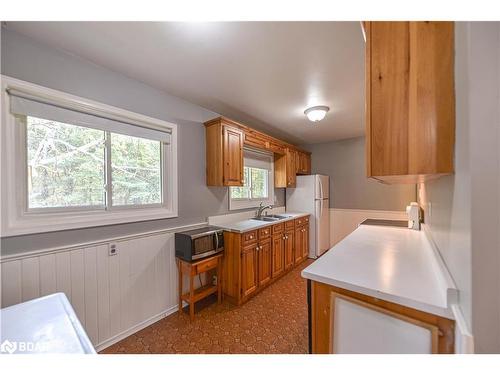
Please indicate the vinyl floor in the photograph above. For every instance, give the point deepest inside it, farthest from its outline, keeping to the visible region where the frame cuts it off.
(273, 321)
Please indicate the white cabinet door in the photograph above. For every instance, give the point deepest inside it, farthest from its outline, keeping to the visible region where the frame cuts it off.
(362, 329)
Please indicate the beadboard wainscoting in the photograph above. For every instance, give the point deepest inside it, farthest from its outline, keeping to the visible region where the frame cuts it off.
(344, 221)
(113, 295)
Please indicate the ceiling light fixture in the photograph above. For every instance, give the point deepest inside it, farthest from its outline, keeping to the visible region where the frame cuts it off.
(316, 113)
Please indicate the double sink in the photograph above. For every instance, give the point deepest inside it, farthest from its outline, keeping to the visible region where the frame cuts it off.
(272, 217)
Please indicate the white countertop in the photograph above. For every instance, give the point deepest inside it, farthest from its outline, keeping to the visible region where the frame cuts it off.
(250, 224)
(394, 264)
(43, 325)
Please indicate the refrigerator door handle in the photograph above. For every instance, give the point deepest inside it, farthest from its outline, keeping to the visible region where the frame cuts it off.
(320, 188)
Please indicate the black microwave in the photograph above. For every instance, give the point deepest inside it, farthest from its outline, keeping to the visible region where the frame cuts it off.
(199, 243)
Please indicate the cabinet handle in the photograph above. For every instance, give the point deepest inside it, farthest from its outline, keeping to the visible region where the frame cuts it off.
(257, 248)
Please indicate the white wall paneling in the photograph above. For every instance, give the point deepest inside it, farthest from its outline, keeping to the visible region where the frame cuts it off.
(113, 296)
(344, 221)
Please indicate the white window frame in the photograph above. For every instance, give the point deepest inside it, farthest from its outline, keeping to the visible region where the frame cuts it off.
(242, 203)
(15, 217)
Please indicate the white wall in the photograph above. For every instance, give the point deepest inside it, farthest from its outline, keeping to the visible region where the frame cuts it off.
(344, 221)
(462, 210)
(484, 67)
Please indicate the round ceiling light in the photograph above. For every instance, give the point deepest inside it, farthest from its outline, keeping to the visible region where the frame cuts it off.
(316, 113)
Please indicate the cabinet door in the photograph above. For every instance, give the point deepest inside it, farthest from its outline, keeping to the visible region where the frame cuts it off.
(265, 261)
(291, 168)
(298, 244)
(289, 255)
(303, 163)
(305, 242)
(248, 270)
(387, 87)
(278, 255)
(233, 157)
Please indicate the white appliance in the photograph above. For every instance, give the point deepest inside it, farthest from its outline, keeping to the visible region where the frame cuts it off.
(312, 196)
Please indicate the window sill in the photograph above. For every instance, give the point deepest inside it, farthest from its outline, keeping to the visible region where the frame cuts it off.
(51, 222)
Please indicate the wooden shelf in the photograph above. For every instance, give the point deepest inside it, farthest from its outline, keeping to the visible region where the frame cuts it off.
(200, 293)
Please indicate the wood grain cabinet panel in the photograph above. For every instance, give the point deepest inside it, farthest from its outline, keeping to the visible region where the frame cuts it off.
(249, 264)
(233, 157)
(303, 163)
(410, 102)
(289, 249)
(278, 250)
(265, 262)
(224, 155)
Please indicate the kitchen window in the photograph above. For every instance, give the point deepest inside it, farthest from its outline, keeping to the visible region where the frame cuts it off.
(258, 182)
(73, 163)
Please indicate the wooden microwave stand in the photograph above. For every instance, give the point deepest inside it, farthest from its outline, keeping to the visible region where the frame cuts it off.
(193, 269)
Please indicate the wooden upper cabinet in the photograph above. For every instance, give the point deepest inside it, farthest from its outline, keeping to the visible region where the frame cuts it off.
(225, 140)
(224, 154)
(285, 169)
(303, 163)
(410, 104)
(233, 157)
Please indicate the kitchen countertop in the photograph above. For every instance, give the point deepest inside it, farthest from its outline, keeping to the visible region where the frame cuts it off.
(250, 224)
(391, 263)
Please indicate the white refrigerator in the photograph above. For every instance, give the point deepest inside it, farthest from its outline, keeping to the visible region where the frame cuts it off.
(312, 196)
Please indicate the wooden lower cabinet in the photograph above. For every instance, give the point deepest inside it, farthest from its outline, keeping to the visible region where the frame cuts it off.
(342, 321)
(249, 270)
(278, 255)
(254, 259)
(265, 262)
(301, 243)
(289, 249)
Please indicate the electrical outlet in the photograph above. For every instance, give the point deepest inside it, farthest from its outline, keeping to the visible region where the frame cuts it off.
(214, 280)
(112, 250)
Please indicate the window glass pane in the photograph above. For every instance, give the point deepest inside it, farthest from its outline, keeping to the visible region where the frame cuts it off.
(65, 164)
(259, 183)
(242, 192)
(135, 170)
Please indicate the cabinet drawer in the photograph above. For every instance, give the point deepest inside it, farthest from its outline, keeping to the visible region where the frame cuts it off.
(289, 224)
(278, 228)
(249, 237)
(207, 265)
(264, 233)
(301, 221)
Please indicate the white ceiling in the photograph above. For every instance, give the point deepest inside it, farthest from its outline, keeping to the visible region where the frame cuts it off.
(263, 74)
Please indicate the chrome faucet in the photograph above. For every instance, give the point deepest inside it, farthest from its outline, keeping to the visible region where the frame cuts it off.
(261, 209)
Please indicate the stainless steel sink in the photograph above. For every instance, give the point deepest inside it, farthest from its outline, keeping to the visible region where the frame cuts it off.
(271, 217)
(279, 216)
(266, 218)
